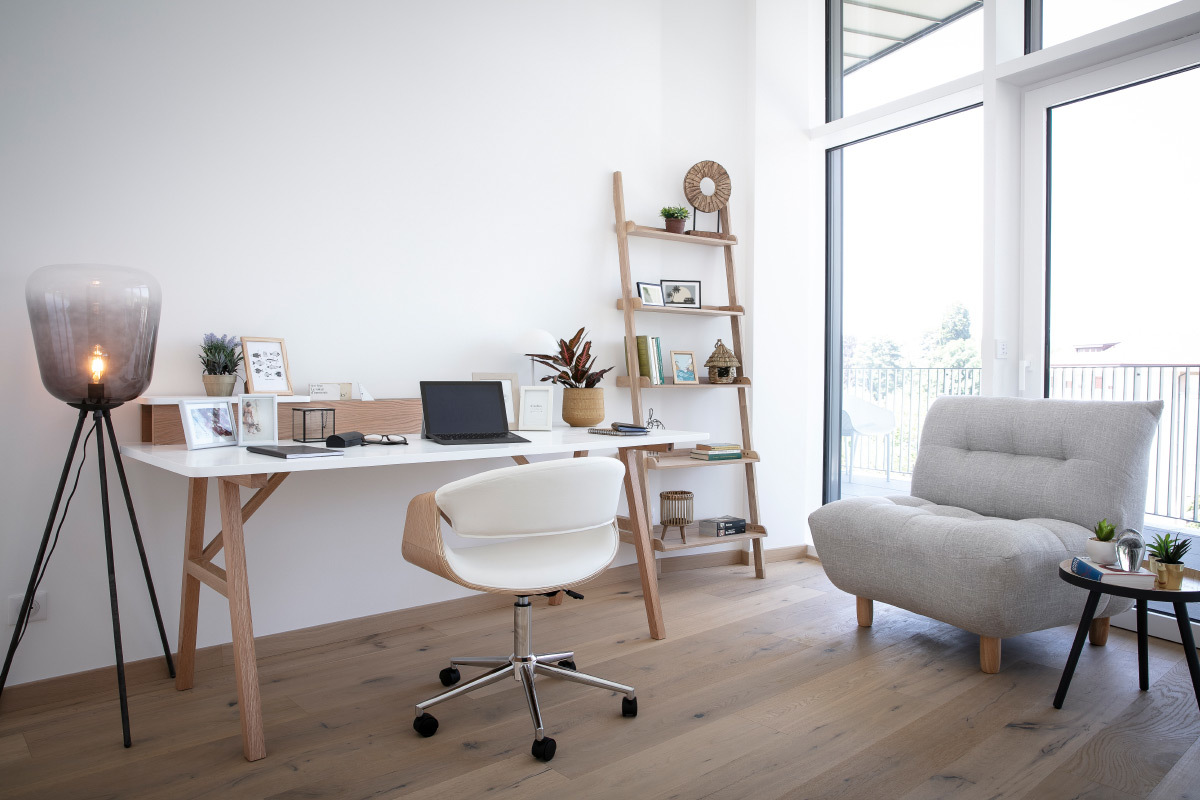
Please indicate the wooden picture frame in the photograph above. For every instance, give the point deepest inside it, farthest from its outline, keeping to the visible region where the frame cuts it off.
(208, 423)
(537, 408)
(651, 294)
(510, 385)
(257, 419)
(681, 369)
(266, 365)
(688, 289)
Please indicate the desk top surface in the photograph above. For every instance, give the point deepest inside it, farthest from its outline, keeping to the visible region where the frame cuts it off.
(217, 462)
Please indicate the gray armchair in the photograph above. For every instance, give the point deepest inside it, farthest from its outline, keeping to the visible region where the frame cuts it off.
(1003, 490)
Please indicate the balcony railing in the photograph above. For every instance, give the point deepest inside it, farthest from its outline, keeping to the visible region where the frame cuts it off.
(907, 392)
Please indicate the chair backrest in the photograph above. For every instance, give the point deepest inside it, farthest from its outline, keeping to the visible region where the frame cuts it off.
(1072, 460)
(539, 499)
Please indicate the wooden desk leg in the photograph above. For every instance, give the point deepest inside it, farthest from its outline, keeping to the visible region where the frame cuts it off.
(189, 597)
(641, 542)
(245, 668)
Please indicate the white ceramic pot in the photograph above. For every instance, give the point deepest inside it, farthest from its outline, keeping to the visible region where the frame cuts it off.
(1102, 552)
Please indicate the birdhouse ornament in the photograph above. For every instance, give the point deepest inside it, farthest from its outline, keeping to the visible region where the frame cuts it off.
(721, 364)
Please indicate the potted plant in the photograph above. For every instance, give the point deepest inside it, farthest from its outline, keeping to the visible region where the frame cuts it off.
(675, 217)
(583, 400)
(221, 357)
(1101, 548)
(1168, 555)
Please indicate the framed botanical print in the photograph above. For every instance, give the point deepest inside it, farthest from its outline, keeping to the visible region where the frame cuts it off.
(266, 365)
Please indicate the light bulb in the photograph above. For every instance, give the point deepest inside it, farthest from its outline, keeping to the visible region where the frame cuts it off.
(97, 364)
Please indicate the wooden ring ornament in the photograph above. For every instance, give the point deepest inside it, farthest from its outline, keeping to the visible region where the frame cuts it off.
(691, 186)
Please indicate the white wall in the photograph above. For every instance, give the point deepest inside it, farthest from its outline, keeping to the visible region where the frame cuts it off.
(400, 190)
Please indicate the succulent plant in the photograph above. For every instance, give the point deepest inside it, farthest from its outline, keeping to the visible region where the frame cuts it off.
(1104, 531)
(675, 212)
(1170, 550)
(572, 364)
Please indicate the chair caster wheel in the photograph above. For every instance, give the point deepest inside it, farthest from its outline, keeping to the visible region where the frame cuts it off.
(543, 749)
(449, 676)
(628, 707)
(426, 725)
(566, 663)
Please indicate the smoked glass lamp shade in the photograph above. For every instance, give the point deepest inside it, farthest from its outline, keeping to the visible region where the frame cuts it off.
(95, 327)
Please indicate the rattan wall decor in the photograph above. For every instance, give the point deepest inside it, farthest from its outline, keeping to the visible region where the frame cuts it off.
(707, 203)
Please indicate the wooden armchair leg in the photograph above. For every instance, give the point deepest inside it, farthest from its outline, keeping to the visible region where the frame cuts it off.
(866, 611)
(1098, 632)
(989, 654)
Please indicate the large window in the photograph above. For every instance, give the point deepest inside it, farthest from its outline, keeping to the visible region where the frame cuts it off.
(1055, 21)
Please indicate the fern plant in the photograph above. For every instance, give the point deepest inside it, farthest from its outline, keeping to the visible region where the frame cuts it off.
(572, 365)
(1170, 550)
(675, 212)
(1104, 531)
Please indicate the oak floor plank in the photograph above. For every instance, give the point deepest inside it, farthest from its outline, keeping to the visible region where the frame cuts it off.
(1183, 781)
(1062, 784)
(13, 749)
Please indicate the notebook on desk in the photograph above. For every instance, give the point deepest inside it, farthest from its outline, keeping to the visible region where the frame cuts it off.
(465, 412)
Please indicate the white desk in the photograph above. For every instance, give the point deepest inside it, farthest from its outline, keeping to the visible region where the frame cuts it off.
(234, 467)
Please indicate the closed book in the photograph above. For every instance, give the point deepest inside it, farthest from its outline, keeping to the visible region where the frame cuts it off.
(717, 456)
(718, 446)
(643, 350)
(724, 532)
(293, 451)
(1142, 579)
(658, 358)
(718, 525)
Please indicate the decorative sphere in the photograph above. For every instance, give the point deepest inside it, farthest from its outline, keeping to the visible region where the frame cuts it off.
(1130, 549)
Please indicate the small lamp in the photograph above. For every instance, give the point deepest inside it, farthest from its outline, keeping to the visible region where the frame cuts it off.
(95, 328)
(536, 340)
(721, 364)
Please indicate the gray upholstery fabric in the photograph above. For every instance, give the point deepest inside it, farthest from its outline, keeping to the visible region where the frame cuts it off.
(1003, 490)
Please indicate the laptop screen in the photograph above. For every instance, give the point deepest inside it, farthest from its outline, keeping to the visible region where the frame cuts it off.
(463, 407)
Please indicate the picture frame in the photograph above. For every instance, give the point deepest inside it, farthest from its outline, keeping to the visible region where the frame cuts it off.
(537, 408)
(208, 423)
(681, 293)
(651, 294)
(510, 384)
(257, 419)
(266, 364)
(683, 367)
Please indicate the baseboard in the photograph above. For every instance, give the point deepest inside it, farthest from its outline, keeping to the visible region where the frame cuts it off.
(146, 674)
(792, 553)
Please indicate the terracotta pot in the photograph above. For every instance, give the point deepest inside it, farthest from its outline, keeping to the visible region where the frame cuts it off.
(1102, 552)
(675, 225)
(583, 408)
(219, 385)
(1170, 576)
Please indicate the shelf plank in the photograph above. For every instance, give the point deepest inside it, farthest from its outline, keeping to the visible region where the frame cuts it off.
(703, 311)
(633, 229)
(695, 539)
(739, 383)
(686, 461)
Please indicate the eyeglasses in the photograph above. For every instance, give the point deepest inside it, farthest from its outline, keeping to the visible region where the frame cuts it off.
(384, 438)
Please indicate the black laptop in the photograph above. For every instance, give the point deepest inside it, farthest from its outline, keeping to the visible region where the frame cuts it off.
(465, 412)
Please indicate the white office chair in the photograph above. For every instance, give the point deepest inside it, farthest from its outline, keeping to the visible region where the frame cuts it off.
(558, 520)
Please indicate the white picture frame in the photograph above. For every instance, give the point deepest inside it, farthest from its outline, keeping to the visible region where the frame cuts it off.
(537, 408)
(266, 365)
(208, 423)
(651, 294)
(257, 419)
(509, 383)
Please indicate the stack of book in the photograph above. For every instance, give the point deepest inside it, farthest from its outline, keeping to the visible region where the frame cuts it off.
(650, 360)
(717, 451)
(722, 526)
(1085, 568)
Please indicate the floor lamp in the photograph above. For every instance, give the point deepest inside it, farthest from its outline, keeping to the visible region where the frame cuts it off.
(95, 328)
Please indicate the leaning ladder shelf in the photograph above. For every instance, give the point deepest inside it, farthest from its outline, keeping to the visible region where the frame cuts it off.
(631, 305)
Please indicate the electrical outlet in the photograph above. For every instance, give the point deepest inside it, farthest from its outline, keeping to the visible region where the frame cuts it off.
(1002, 348)
(39, 609)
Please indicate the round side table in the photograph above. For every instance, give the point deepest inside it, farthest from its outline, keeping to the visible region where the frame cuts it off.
(1190, 593)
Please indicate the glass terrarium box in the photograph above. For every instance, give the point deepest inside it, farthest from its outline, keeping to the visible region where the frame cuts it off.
(312, 424)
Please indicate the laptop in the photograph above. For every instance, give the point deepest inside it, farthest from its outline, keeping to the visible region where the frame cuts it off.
(465, 412)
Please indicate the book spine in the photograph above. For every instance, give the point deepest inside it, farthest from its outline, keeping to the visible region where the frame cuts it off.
(723, 532)
(654, 364)
(643, 350)
(1085, 570)
(658, 352)
(714, 457)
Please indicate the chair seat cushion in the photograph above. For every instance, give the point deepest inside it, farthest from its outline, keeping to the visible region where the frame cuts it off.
(988, 575)
(535, 564)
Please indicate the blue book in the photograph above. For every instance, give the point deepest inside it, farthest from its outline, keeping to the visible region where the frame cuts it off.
(1142, 579)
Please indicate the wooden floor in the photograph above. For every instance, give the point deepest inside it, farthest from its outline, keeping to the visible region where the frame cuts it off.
(764, 689)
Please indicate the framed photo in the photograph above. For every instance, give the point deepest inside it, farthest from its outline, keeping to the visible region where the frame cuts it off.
(208, 423)
(683, 366)
(537, 408)
(651, 294)
(266, 366)
(258, 419)
(509, 383)
(681, 294)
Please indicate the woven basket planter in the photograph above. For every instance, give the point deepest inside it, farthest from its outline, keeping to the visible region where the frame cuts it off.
(583, 408)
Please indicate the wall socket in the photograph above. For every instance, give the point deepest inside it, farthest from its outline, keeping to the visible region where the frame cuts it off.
(39, 609)
(1002, 348)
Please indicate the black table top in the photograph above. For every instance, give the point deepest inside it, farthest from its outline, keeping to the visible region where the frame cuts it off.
(1190, 593)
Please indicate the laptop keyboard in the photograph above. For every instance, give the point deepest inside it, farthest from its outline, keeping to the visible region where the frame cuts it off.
(461, 436)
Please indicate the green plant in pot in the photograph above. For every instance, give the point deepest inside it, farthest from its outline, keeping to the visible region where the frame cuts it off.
(1101, 548)
(1168, 555)
(221, 357)
(674, 218)
(573, 368)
